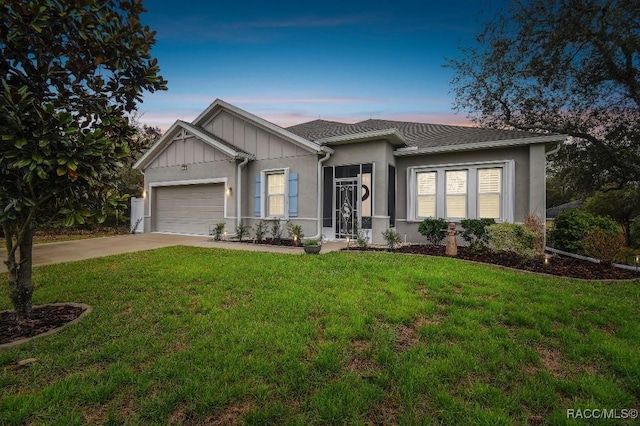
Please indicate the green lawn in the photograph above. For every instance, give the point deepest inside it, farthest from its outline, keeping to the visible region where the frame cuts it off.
(203, 336)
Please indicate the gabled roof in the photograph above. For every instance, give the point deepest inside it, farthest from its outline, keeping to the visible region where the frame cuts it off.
(422, 137)
(294, 138)
(216, 142)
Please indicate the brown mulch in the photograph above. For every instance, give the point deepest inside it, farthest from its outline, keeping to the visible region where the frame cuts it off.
(558, 265)
(42, 319)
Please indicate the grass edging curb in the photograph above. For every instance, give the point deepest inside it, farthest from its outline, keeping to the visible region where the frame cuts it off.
(87, 310)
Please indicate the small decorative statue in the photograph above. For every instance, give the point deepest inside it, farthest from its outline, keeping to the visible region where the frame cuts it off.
(452, 245)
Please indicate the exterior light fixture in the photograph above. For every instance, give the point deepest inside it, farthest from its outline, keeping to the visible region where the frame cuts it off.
(546, 261)
(184, 167)
(228, 191)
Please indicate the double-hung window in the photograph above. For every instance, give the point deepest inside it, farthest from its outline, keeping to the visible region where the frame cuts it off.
(426, 194)
(275, 194)
(489, 192)
(456, 195)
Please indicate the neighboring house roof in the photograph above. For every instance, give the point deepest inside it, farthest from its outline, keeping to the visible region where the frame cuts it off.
(215, 141)
(553, 212)
(421, 137)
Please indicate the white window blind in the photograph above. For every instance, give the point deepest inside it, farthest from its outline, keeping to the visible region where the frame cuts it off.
(489, 191)
(275, 194)
(426, 184)
(456, 194)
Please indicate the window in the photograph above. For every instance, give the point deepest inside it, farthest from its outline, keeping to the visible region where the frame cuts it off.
(489, 190)
(462, 191)
(426, 205)
(275, 194)
(456, 199)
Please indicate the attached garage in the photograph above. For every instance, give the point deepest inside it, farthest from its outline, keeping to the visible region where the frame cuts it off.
(188, 209)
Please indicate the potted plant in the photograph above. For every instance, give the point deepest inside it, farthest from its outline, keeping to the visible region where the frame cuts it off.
(312, 246)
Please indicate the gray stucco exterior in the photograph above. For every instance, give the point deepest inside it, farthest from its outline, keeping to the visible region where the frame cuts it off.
(231, 147)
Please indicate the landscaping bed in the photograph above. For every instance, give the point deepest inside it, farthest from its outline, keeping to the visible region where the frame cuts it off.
(563, 266)
(43, 319)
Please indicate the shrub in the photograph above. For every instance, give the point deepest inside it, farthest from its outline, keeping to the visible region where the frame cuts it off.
(434, 229)
(295, 232)
(361, 240)
(260, 229)
(475, 232)
(635, 232)
(242, 231)
(603, 244)
(311, 242)
(217, 231)
(535, 225)
(276, 231)
(512, 238)
(392, 238)
(570, 227)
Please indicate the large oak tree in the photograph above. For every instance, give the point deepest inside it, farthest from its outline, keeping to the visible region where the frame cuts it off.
(562, 66)
(71, 72)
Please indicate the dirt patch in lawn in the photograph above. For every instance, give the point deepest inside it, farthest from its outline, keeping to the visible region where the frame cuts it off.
(558, 265)
(43, 320)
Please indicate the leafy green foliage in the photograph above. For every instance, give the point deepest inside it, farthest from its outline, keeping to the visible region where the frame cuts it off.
(391, 238)
(242, 231)
(621, 205)
(311, 242)
(217, 231)
(435, 229)
(260, 230)
(70, 75)
(635, 233)
(565, 67)
(474, 232)
(295, 233)
(603, 244)
(276, 230)
(361, 239)
(512, 238)
(570, 227)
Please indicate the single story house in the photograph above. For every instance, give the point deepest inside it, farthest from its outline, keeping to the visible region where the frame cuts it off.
(231, 166)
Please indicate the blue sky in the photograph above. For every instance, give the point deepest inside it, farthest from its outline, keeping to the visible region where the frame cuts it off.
(291, 62)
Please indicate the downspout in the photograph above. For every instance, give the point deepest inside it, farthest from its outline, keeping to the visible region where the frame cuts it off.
(239, 190)
(319, 202)
(554, 150)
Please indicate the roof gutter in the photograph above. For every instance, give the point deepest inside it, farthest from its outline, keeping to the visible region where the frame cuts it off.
(554, 150)
(479, 145)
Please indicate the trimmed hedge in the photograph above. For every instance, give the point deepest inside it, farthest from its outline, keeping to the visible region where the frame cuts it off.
(512, 238)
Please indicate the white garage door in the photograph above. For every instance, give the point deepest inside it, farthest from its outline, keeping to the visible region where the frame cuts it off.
(188, 209)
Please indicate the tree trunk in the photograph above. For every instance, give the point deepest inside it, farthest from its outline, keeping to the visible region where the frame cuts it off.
(20, 272)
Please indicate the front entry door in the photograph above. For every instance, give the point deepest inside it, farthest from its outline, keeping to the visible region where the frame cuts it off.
(347, 207)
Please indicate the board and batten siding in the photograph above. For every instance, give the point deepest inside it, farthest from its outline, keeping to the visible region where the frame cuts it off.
(191, 150)
(252, 139)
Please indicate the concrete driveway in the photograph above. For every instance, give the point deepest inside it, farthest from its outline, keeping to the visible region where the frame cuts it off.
(69, 251)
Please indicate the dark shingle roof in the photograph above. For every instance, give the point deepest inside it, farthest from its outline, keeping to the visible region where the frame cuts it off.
(421, 135)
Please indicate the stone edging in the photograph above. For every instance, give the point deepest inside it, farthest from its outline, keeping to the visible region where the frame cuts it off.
(87, 310)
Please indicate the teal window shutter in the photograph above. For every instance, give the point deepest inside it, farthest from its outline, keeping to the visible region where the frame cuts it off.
(257, 197)
(293, 195)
